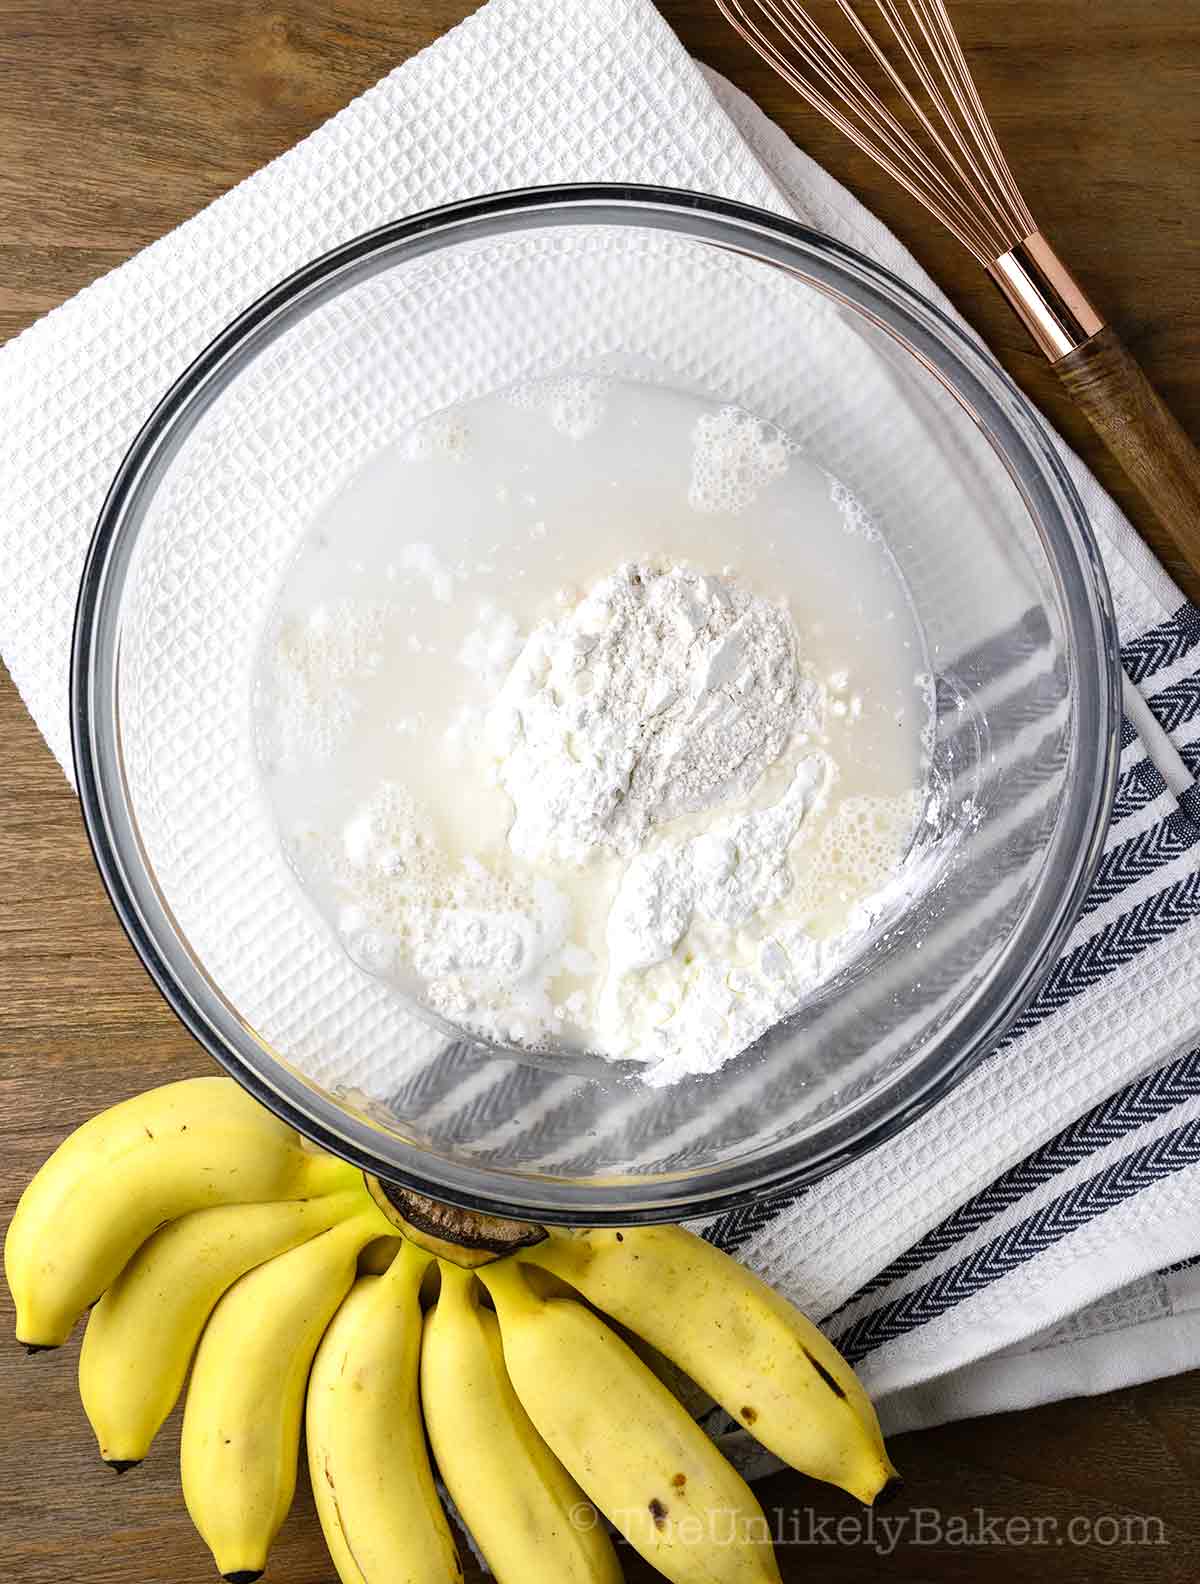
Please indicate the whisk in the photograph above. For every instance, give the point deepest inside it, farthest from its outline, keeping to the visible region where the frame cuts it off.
(917, 113)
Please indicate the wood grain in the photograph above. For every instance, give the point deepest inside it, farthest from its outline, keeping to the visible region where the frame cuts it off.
(118, 118)
(1114, 395)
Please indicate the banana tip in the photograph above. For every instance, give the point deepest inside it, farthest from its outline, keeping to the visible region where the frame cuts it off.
(38, 1347)
(122, 1465)
(243, 1576)
(889, 1490)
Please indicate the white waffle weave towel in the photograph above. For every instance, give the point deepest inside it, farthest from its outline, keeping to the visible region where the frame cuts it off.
(1028, 1238)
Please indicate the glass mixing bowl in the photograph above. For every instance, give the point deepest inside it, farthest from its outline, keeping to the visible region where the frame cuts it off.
(690, 292)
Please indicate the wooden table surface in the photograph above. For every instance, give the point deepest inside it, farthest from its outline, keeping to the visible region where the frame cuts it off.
(118, 118)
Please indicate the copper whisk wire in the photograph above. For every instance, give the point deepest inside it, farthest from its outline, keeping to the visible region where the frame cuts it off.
(914, 109)
(958, 172)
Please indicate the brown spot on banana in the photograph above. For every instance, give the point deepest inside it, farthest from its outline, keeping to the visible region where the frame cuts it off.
(824, 1374)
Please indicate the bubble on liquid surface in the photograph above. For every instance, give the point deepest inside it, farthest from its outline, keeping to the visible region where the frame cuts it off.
(574, 404)
(734, 457)
(315, 663)
(856, 519)
(859, 848)
(445, 434)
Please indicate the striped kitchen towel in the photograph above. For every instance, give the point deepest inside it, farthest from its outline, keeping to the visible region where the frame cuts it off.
(1036, 1232)
(1035, 1235)
(1070, 1263)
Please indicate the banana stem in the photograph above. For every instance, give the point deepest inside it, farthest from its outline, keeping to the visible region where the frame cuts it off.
(373, 1223)
(347, 1204)
(409, 1265)
(510, 1291)
(458, 1288)
(318, 1174)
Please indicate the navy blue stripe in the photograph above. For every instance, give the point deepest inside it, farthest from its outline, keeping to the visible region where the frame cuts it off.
(1048, 761)
(1132, 860)
(1161, 646)
(519, 1089)
(1177, 704)
(1112, 947)
(946, 697)
(1010, 648)
(1139, 786)
(1038, 698)
(1040, 1231)
(1130, 1108)
(1118, 943)
(736, 1227)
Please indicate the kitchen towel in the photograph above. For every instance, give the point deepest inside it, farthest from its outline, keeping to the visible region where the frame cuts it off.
(1029, 1236)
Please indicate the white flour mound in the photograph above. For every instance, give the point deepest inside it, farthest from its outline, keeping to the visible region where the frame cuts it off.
(690, 981)
(632, 734)
(663, 692)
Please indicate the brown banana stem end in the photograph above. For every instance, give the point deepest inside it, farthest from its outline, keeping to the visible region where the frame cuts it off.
(464, 1237)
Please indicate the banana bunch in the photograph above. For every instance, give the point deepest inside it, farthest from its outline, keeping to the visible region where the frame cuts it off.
(209, 1238)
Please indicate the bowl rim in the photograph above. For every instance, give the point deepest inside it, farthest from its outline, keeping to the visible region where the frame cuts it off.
(947, 351)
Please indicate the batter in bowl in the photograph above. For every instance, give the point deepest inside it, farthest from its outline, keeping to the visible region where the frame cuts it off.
(594, 715)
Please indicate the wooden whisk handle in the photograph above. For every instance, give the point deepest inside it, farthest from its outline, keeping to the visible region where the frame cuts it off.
(1108, 385)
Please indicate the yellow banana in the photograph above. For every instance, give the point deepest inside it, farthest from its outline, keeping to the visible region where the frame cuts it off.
(528, 1516)
(241, 1422)
(141, 1336)
(182, 1147)
(755, 1353)
(377, 1256)
(370, 1471)
(638, 1454)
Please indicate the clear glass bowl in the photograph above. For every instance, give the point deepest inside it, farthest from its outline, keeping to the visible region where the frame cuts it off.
(710, 297)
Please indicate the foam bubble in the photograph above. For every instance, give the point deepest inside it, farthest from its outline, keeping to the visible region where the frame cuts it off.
(859, 848)
(734, 457)
(574, 404)
(445, 434)
(856, 519)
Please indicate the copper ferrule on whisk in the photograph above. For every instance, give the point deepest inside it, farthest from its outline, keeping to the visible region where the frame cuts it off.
(1046, 297)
